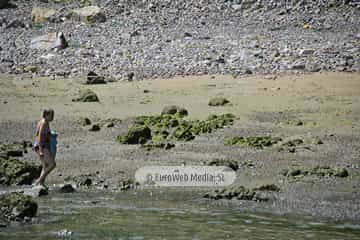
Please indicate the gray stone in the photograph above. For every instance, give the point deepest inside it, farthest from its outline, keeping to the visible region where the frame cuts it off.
(89, 14)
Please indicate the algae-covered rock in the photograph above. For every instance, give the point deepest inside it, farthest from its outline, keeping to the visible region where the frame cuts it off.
(16, 206)
(268, 187)
(224, 162)
(16, 172)
(12, 149)
(137, 134)
(156, 144)
(257, 142)
(290, 145)
(237, 192)
(173, 127)
(218, 101)
(127, 184)
(318, 171)
(86, 96)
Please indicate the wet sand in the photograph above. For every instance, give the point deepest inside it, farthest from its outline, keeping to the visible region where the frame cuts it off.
(327, 104)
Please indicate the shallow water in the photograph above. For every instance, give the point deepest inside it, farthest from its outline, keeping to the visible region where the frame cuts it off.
(99, 215)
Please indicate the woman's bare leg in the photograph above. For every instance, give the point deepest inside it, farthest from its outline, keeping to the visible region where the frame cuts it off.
(48, 165)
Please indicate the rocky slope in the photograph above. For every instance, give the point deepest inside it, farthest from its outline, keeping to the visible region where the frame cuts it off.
(126, 39)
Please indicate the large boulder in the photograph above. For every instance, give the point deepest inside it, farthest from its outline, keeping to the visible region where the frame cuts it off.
(49, 41)
(89, 14)
(16, 172)
(16, 206)
(41, 15)
(137, 134)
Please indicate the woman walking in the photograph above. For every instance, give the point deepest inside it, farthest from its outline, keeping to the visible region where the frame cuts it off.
(42, 146)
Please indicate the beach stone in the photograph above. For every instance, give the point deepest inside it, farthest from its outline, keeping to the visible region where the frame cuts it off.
(170, 110)
(94, 128)
(17, 206)
(49, 41)
(67, 188)
(86, 95)
(89, 14)
(173, 109)
(84, 121)
(42, 15)
(93, 78)
(218, 101)
(306, 52)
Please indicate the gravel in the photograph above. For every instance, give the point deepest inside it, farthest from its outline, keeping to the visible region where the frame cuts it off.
(152, 38)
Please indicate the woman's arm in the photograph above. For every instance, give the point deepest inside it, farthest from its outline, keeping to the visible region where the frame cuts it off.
(41, 138)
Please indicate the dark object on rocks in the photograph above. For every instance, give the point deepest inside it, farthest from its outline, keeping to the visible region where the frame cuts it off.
(86, 96)
(67, 188)
(84, 121)
(218, 101)
(94, 128)
(137, 134)
(93, 78)
(16, 206)
(16, 172)
(49, 41)
(130, 76)
(221, 162)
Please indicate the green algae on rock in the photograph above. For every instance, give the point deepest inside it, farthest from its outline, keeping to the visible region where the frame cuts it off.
(257, 142)
(16, 172)
(172, 127)
(16, 206)
(137, 134)
(236, 192)
(319, 171)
